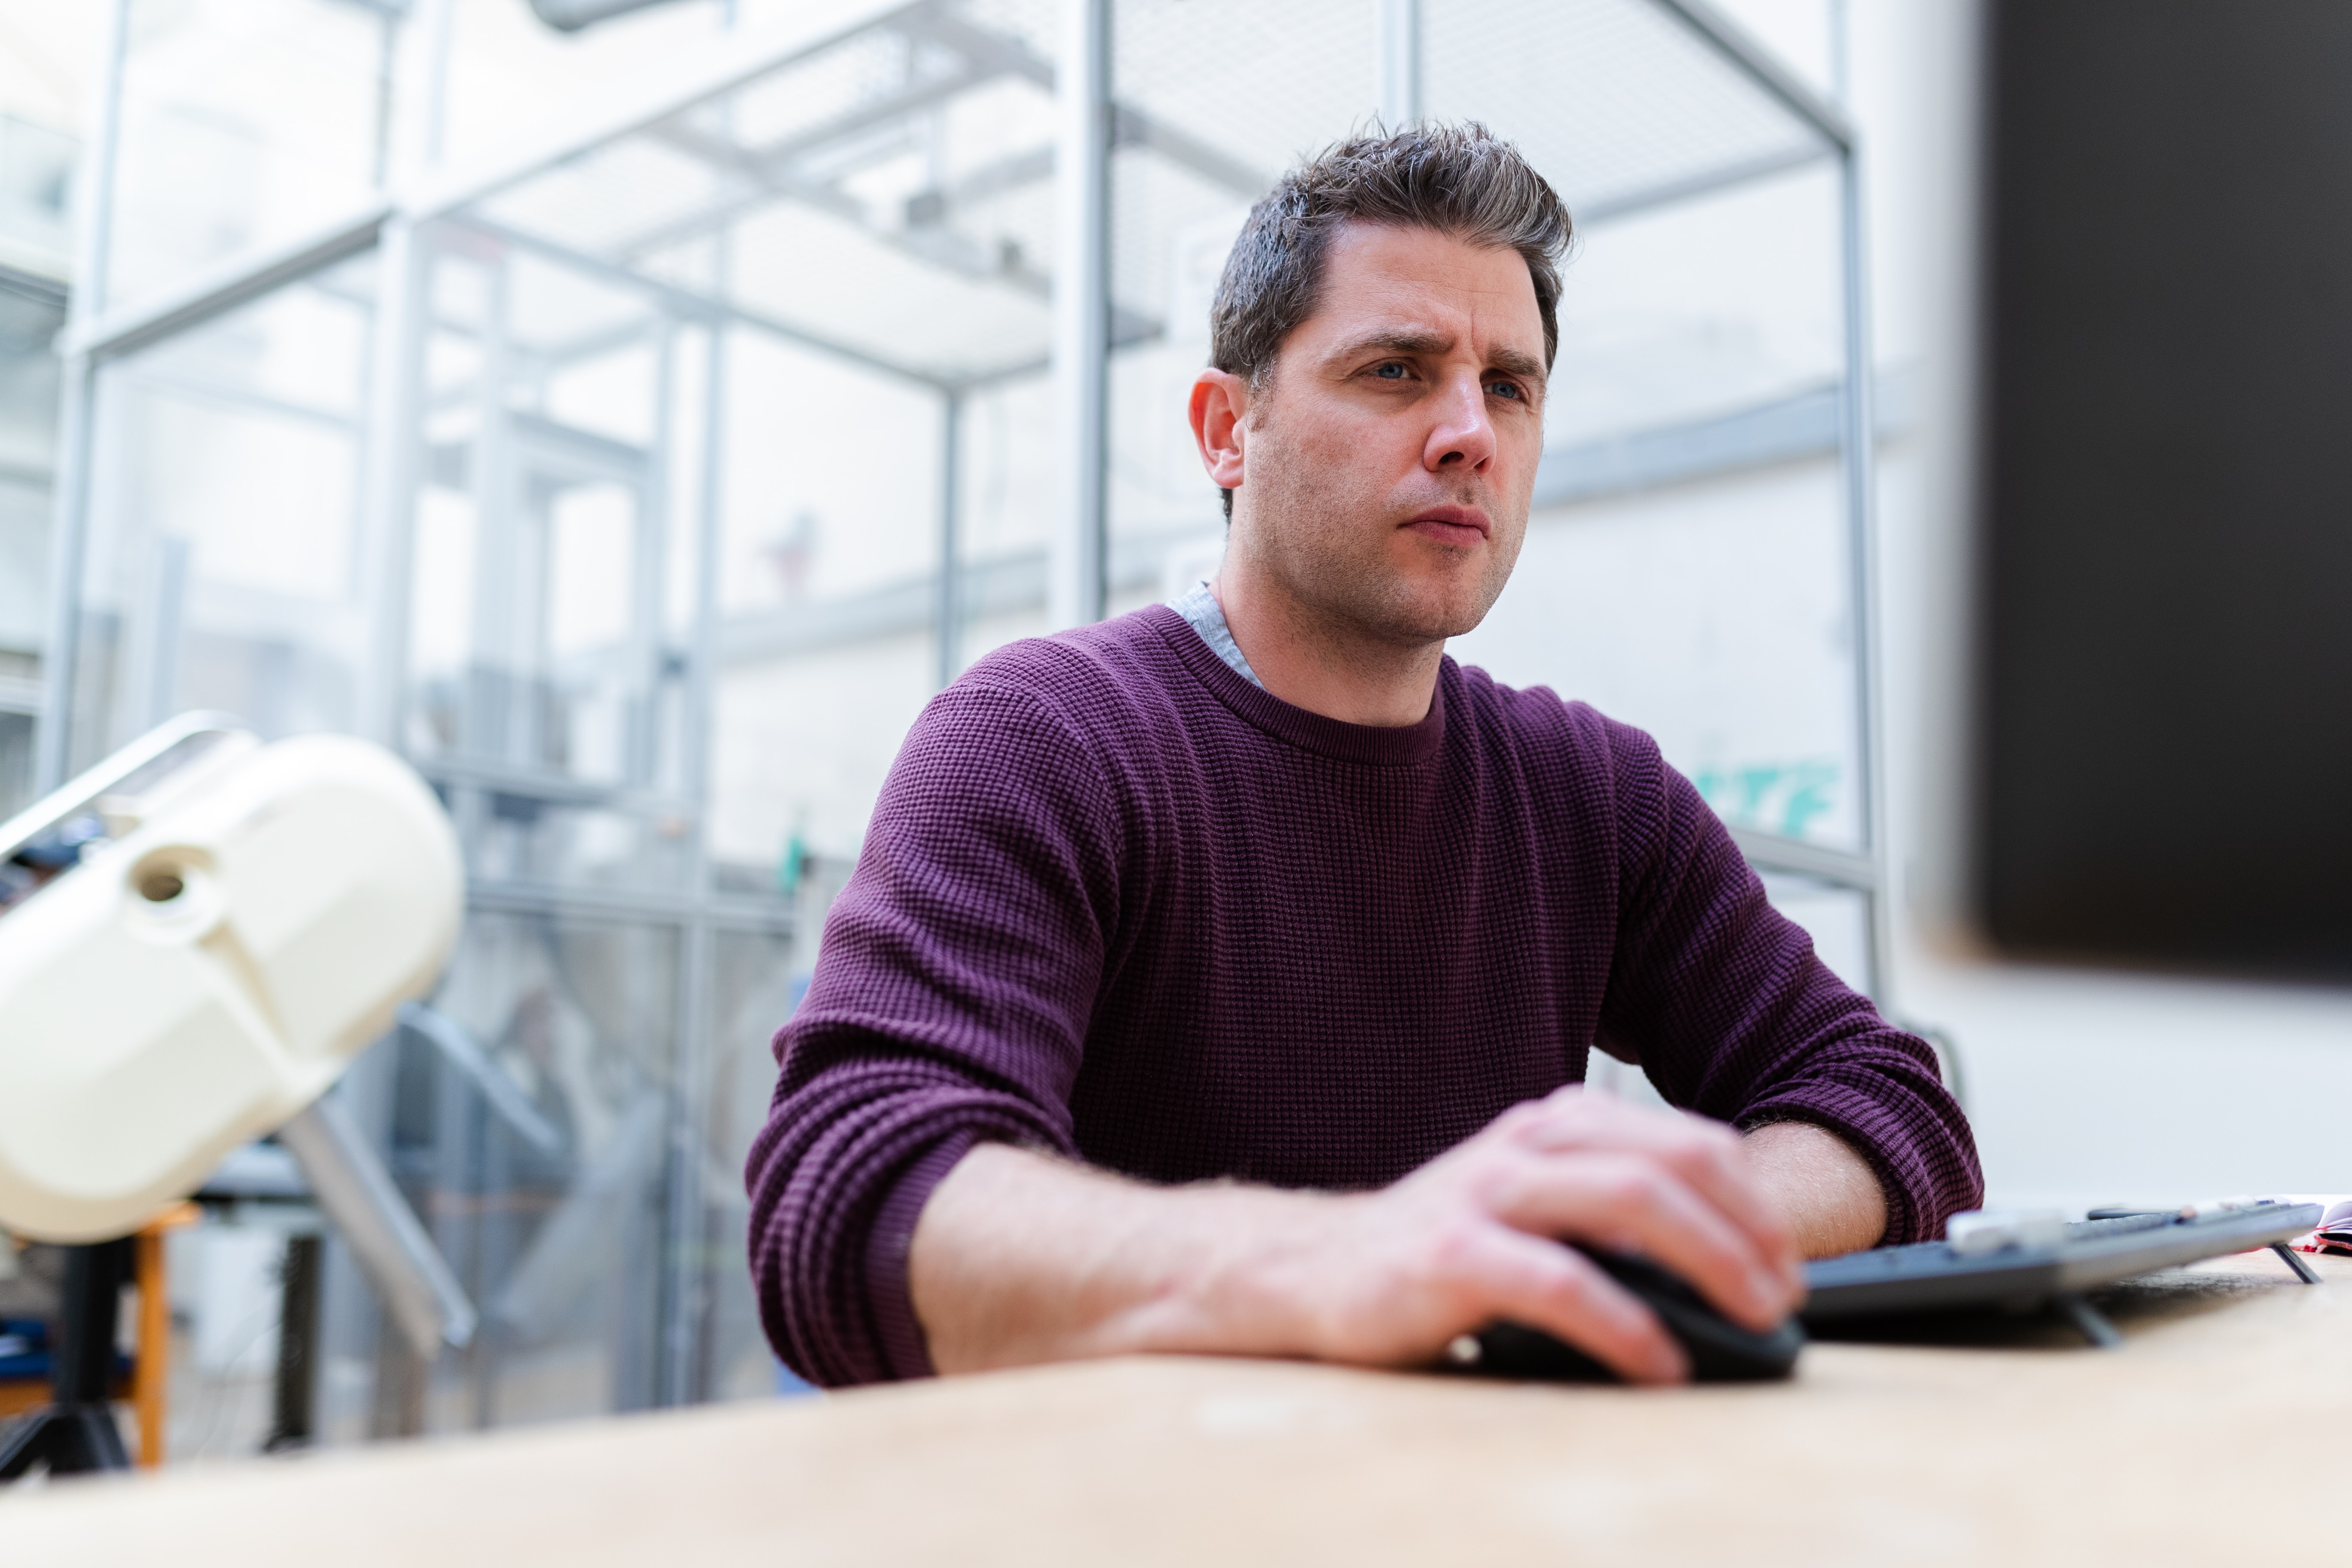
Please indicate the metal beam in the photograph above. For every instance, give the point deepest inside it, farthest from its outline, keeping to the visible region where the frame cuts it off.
(1808, 423)
(948, 615)
(691, 305)
(576, 901)
(236, 282)
(999, 53)
(1796, 858)
(768, 177)
(1401, 52)
(239, 398)
(912, 99)
(729, 60)
(1804, 426)
(1075, 592)
(1010, 583)
(1858, 441)
(1133, 128)
(990, 181)
(77, 415)
(1692, 186)
(1756, 63)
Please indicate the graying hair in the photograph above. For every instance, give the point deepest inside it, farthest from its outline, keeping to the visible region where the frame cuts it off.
(1462, 181)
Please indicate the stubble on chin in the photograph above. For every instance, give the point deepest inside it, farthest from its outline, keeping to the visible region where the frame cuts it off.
(1337, 568)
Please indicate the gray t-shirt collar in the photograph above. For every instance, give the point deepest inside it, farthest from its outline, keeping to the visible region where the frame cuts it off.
(1199, 606)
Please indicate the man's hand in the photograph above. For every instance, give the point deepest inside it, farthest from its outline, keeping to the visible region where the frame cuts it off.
(1019, 1258)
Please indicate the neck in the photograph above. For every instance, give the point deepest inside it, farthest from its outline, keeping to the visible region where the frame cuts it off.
(1310, 661)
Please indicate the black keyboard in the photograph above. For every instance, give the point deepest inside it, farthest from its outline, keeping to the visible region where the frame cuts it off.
(1937, 1275)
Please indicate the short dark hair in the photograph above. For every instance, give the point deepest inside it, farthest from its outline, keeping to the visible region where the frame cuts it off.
(1460, 180)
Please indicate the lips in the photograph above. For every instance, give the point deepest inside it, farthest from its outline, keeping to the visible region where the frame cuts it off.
(1452, 524)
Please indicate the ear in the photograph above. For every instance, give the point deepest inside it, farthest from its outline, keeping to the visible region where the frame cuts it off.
(1220, 405)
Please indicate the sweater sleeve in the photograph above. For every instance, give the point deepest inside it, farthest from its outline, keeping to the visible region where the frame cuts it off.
(1734, 1017)
(949, 1006)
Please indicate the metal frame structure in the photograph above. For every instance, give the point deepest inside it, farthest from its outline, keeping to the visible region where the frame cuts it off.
(423, 204)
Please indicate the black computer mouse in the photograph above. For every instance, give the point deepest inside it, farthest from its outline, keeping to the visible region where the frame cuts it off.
(1720, 1350)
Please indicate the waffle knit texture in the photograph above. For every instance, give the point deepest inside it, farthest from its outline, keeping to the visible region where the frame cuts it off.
(1118, 902)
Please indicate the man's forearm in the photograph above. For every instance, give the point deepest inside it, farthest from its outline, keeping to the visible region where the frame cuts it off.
(1020, 1258)
(1824, 1189)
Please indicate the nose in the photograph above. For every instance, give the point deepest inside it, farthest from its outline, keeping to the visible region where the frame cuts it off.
(1462, 437)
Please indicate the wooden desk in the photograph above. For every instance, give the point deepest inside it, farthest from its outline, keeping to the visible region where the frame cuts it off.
(2219, 1432)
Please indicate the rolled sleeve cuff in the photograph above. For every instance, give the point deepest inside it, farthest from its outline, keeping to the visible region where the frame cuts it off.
(1918, 1196)
(889, 1245)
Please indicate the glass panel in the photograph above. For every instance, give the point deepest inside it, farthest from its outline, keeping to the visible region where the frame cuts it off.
(554, 1224)
(754, 987)
(1006, 475)
(1715, 615)
(546, 680)
(245, 123)
(828, 559)
(223, 522)
(1680, 313)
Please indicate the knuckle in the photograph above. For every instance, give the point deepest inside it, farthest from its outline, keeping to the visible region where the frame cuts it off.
(1450, 1251)
(1631, 1188)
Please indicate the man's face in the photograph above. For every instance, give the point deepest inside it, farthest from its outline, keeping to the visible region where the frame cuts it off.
(1388, 467)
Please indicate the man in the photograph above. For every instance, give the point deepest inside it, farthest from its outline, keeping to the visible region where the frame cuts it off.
(1218, 978)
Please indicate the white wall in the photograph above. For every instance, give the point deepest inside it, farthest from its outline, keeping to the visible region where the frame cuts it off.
(2084, 1087)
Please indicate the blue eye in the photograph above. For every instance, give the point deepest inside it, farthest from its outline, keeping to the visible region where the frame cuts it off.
(1391, 371)
(1506, 388)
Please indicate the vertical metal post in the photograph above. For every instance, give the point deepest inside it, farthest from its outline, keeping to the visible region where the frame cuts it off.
(68, 528)
(649, 587)
(1400, 46)
(1857, 441)
(1076, 588)
(388, 462)
(431, 21)
(686, 1290)
(948, 617)
(499, 661)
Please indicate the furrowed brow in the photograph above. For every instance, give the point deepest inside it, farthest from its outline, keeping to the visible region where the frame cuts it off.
(1401, 340)
(1525, 366)
(1405, 341)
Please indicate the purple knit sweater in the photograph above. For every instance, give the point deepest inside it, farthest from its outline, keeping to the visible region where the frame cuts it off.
(1118, 903)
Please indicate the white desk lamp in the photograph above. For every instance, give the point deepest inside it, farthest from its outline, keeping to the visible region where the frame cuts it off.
(241, 922)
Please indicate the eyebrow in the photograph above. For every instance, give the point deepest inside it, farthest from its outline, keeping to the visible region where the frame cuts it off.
(1510, 361)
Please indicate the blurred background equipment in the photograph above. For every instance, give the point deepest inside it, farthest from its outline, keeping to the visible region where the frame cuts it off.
(219, 928)
(2164, 669)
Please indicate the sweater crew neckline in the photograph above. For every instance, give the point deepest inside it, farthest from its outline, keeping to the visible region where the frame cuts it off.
(1375, 745)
